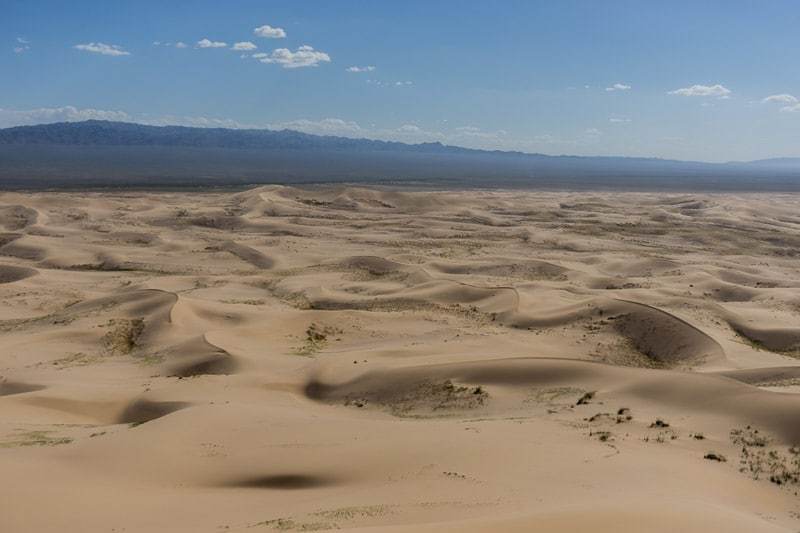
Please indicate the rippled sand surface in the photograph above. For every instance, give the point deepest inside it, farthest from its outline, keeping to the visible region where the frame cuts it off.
(350, 358)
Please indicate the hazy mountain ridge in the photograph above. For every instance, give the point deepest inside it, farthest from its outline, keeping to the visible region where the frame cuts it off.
(106, 133)
(776, 162)
(103, 153)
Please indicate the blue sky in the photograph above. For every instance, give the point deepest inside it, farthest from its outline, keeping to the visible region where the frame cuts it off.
(713, 80)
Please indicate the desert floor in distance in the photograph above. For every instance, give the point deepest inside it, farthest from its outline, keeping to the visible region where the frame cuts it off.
(390, 360)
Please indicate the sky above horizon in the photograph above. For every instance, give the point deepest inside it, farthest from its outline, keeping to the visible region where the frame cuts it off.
(711, 81)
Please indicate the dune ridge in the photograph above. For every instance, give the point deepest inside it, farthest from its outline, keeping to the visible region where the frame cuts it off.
(384, 359)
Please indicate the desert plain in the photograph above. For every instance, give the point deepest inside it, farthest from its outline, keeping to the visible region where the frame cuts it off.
(380, 359)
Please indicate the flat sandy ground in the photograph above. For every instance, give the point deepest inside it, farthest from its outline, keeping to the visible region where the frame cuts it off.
(287, 359)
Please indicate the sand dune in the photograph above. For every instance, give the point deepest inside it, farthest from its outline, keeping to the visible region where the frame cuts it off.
(141, 411)
(9, 273)
(635, 516)
(249, 255)
(287, 359)
(527, 269)
(19, 249)
(764, 376)
(663, 336)
(197, 357)
(400, 388)
(8, 388)
(17, 217)
(776, 339)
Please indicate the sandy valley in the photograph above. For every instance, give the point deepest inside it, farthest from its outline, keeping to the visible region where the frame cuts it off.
(373, 359)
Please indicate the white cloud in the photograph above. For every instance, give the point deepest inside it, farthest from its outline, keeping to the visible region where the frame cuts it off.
(194, 122)
(781, 98)
(179, 44)
(405, 133)
(243, 46)
(592, 132)
(103, 49)
(619, 120)
(207, 43)
(268, 32)
(368, 68)
(466, 133)
(23, 45)
(409, 133)
(409, 128)
(347, 128)
(793, 104)
(305, 56)
(381, 83)
(618, 87)
(468, 129)
(326, 126)
(44, 115)
(703, 90)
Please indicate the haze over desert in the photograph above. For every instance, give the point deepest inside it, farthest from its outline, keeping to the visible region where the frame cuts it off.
(391, 359)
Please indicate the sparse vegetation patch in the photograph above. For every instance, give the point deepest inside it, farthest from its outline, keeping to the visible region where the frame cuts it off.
(123, 334)
(758, 457)
(34, 438)
(316, 338)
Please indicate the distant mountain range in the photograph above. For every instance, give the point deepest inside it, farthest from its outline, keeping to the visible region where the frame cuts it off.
(101, 153)
(105, 133)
